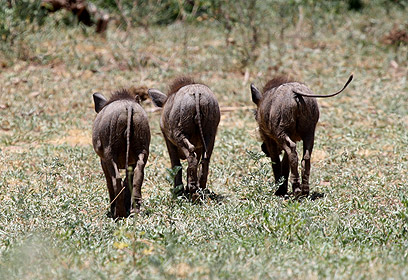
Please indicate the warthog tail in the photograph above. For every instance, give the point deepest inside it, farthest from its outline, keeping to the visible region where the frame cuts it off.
(198, 117)
(330, 95)
(128, 127)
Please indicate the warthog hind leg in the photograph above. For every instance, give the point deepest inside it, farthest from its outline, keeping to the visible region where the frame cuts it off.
(109, 183)
(175, 161)
(119, 199)
(278, 167)
(205, 162)
(290, 148)
(127, 183)
(189, 151)
(137, 182)
(307, 153)
(285, 172)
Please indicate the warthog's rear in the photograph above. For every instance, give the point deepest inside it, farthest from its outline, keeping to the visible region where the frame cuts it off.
(287, 112)
(189, 124)
(121, 138)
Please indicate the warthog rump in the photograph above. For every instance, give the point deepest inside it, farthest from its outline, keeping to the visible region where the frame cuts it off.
(189, 124)
(287, 112)
(121, 138)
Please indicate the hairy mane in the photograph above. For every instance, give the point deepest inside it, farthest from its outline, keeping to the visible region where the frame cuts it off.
(178, 83)
(275, 82)
(122, 94)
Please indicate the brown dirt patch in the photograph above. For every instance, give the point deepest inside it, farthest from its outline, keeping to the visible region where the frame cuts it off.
(74, 137)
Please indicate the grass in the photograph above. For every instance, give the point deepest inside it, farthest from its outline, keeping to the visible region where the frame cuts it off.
(53, 221)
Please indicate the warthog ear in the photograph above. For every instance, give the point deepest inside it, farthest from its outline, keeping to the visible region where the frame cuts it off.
(99, 101)
(256, 94)
(158, 97)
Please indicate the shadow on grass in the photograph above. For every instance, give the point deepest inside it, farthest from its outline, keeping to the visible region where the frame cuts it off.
(200, 197)
(316, 195)
(205, 195)
(313, 196)
(217, 197)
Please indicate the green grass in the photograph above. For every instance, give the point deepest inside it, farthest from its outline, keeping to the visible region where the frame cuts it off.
(53, 221)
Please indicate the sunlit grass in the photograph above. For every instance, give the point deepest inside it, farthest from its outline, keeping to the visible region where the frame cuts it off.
(53, 210)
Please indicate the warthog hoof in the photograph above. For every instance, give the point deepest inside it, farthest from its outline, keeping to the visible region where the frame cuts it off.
(195, 197)
(135, 210)
(305, 190)
(281, 192)
(178, 191)
(297, 192)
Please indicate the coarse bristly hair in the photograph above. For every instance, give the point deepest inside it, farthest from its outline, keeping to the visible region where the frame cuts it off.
(178, 83)
(275, 82)
(122, 94)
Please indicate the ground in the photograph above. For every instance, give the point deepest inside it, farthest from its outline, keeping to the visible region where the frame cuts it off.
(54, 201)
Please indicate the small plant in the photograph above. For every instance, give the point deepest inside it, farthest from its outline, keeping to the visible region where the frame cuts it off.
(176, 191)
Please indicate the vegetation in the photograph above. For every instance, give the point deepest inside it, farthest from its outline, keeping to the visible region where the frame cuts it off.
(54, 201)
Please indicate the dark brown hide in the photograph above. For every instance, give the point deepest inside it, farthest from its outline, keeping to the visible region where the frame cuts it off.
(285, 116)
(121, 138)
(275, 82)
(189, 124)
(179, 83)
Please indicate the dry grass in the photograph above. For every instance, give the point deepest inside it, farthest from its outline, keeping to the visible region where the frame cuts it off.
(53, 197)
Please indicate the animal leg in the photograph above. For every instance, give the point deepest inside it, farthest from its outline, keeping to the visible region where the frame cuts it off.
(273, 153)
(119, 198)
(190, 147)
(285, 172)
(189, 151)
(205, 162)
(128, 188)
(109, 183)
(138, 181)
(192, 173)
(307, 153)
(175, 161)
(203, 174)
(290, 148)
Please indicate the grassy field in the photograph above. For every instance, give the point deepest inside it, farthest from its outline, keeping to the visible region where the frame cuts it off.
(53, 197)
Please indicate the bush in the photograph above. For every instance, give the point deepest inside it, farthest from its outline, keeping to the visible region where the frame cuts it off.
(17, 17)
(153, 12)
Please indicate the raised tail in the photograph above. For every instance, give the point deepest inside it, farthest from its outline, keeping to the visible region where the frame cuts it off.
(329, 95)
(197, 102)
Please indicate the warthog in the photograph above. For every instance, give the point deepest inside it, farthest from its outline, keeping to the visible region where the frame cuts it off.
(287, 112)
(121, 138)
(189, 124)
